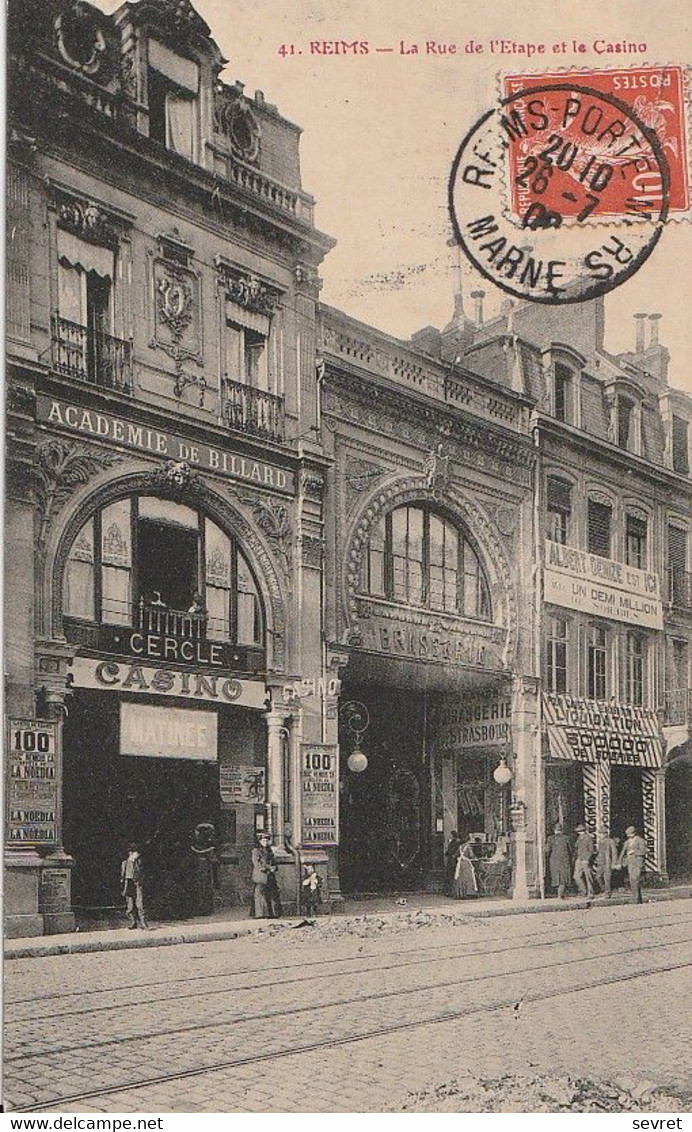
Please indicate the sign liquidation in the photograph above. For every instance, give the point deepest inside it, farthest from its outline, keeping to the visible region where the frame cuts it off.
(591, 732)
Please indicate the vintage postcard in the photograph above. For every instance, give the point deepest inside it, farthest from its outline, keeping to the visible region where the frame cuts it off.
(348, 558)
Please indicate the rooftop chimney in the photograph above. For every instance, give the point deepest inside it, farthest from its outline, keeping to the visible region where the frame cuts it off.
(654, 319)
(639, 323)
(478, 297)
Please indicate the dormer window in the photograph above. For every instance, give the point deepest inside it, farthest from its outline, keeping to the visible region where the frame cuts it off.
(625, 423)
(173, 85)
(562, 393)
(681, 446)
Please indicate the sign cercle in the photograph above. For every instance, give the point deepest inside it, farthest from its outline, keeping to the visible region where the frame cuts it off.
(219, 461)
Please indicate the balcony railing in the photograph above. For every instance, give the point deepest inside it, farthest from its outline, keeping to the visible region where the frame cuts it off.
(165, 622)
(91, 356)
(253, 411)
(680, 588)
(677, 708)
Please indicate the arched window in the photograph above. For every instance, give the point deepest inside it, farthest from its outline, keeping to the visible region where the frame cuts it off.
(156, 565)
(417, 557)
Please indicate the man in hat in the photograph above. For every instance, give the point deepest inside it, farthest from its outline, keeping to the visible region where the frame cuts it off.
(633, 855)
(606, 860)
(132, 888)
(584, 851)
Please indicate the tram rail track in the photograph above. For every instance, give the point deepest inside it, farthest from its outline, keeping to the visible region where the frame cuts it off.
(361, 999)
(468, 950)
(350, 1039)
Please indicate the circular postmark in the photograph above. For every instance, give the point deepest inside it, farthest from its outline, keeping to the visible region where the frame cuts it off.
(559, 194)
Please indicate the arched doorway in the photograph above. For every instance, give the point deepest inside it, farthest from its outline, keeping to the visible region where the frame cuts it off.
(678, 811)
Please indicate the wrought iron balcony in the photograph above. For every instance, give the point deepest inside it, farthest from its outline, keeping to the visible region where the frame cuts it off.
(680, 588)
(164, 622)
(253, 411)
(677, 708)
(91, 356)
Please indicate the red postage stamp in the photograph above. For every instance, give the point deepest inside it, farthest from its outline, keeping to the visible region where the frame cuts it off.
(573, 155)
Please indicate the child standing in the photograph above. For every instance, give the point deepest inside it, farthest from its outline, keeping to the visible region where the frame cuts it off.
(311, 890)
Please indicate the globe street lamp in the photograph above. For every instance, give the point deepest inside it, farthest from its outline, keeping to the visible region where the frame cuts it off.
(356, 717)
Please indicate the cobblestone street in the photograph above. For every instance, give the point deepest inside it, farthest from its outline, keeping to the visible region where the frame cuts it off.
(357, 1017)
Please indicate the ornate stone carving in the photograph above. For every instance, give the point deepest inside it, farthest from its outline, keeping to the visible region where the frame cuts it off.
(436, 466)
(79, 39)
(312, 550)
(505, 519)
(235, 119)
(411, 489)
(247, 290)
(273, 519)
(312, 483)
(21, 399)
(87, 220)
(176, 478)
(60, 469)
(174, 301)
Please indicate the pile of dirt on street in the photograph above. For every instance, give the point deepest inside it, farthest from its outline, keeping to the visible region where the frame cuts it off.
(545, 1093)
(374, 927)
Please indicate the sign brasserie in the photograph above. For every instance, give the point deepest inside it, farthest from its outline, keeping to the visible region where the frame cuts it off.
(591, 732)
(575, 579)
(220, 461)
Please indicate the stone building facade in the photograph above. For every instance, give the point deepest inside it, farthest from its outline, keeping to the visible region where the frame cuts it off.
(270, 568)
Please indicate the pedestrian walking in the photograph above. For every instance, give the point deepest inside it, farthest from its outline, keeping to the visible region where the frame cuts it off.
(266, 899)
(465, 882)
(451, 854)
(633, 855)
(132, 887)
(606, 860)
(311, 886)
(558, 861)
(204, 858)
(583, 852)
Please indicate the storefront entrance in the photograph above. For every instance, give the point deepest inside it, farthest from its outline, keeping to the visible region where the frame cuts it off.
(111, 799)
(385, 810)
(626, 800)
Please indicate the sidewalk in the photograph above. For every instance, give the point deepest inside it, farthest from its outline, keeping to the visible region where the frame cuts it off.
(225, 926)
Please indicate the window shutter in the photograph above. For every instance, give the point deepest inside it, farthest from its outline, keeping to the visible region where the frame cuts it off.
(599, 529)
(677, 548)
(559, 495)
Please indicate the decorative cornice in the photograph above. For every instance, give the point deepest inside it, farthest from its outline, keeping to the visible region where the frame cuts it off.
(86, 219)
(247, 290)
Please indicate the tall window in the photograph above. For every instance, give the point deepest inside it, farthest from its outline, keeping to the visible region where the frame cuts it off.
(679, 675)
(599, 523)
(635, 534)
(418, 557)
(173, 83)
(625, 423)
(563, 391)
(153, 559)
(596, 663)
(681, 446)
(556, 659)
(634, 672)
(559, 508)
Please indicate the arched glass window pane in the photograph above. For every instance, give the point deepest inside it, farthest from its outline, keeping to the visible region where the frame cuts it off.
(374, 562)
(116, 563)
(78, 586)
(218, 582)
(249, 609)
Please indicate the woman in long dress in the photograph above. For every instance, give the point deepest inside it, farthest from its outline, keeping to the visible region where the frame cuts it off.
(559, 861)
(266, 901)
(465, 883)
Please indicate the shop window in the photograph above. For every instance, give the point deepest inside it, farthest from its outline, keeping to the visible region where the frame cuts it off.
(634, 668)
(681, 449)
(417, 557)
(557, 655)
(635, 535)
(599, 524)
(559, 509)
(163, 567)
(596, 663)
(562, 392)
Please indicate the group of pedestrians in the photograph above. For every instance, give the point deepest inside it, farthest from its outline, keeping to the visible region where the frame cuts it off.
(584, 862)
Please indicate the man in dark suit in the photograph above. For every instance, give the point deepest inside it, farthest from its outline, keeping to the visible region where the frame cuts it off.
(633, 855)
(583, 853)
